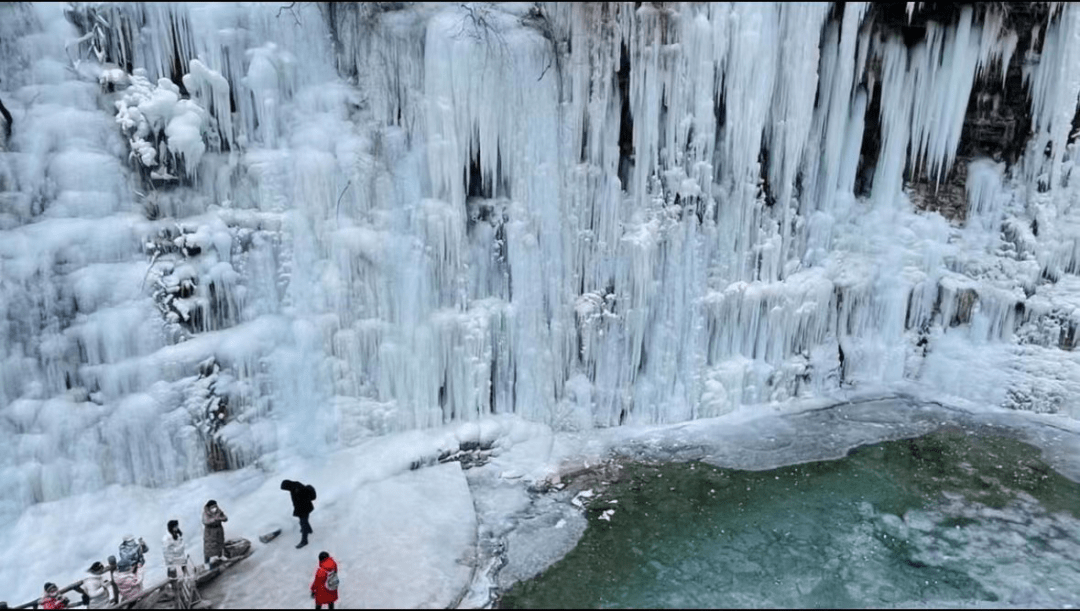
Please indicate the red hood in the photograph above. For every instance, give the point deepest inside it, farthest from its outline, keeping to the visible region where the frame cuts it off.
(328, 565)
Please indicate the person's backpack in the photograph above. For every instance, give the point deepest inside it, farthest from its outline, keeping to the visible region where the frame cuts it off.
(331, 580)
(130, 556)
(311, 492)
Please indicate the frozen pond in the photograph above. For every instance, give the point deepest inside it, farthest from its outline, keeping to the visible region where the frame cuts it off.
(963, 516)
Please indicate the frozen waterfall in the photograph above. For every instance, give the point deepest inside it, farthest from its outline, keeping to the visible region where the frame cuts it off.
(228, 229)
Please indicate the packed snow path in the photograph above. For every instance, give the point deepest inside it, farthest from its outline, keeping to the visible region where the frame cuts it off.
(392, 549)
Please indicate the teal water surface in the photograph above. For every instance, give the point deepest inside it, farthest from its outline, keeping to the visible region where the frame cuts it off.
(954, 518)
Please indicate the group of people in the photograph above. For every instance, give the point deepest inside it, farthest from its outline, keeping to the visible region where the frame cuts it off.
(106, 585)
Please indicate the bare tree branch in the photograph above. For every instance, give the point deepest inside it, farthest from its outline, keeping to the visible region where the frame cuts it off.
(8, 121)
(289, 7)
(337, 209)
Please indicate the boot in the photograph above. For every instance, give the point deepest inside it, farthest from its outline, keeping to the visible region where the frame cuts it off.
(302, 543)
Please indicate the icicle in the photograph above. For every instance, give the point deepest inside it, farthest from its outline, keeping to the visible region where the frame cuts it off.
(896, 87)
(646, 91)
(1055, 86)
(705, 47)
(849, 158)
(984, 192)
(937, 83)
(749, 76)
(839, 100)
(791, 108)
(911, 8)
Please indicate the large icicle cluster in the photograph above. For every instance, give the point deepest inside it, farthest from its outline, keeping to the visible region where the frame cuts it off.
(331, 221)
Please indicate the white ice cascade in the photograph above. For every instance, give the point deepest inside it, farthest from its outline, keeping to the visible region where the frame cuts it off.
(227, 229)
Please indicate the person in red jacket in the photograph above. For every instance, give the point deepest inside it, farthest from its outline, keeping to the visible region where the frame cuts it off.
(324, 587)
(53, 600)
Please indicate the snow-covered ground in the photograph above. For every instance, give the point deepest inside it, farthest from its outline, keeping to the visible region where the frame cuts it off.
(439, 535)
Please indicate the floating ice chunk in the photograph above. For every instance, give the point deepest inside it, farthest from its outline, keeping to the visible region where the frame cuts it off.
(918, 520)
(584, 494)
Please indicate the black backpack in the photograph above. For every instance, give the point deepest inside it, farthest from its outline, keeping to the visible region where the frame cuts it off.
(310, 491)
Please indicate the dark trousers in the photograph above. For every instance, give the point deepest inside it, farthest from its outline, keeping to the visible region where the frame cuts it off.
(305, 527)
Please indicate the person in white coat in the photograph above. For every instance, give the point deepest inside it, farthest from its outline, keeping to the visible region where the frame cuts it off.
(98, 586)
(172, 547)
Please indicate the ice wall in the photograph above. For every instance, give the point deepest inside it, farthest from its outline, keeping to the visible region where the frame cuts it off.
(231, 229)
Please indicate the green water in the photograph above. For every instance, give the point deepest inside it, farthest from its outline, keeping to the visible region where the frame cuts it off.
(952, 518)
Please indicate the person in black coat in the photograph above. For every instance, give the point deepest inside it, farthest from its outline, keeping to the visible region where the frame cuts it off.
(302, 497)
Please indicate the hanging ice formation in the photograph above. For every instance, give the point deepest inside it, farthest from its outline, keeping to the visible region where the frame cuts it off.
(226, 229)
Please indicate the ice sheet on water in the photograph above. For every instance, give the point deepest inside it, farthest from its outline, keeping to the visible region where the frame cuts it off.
(970, 539)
